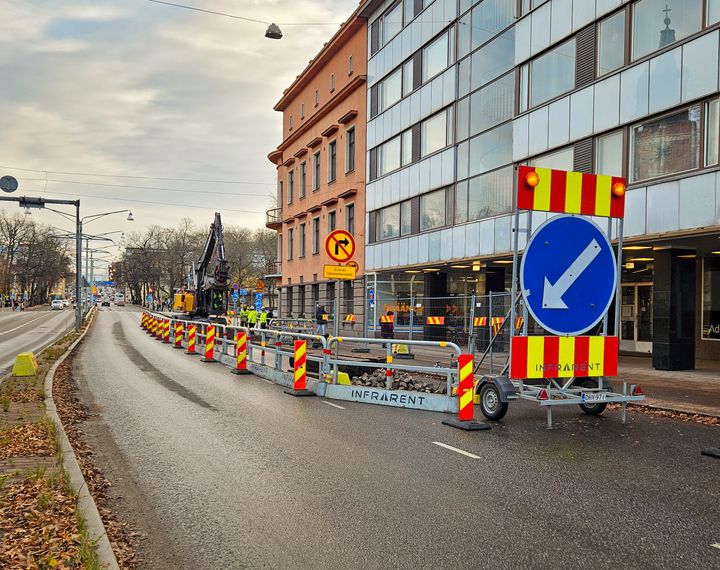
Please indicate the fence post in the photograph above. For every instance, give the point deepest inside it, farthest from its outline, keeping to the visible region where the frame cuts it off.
(466, 394)
(300, 371)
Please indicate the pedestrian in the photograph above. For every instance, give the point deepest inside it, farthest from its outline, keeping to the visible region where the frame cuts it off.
(387, 325)
(244, 316)
(263, 318)
(252, 317)
(321, 321)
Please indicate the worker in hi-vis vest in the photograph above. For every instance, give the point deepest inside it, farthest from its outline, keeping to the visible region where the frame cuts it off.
(252, 318)
(263, 318)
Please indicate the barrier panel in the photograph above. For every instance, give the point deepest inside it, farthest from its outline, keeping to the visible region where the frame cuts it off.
(241, 345)
(192, 339)
(466, 392)
(209, 344)
(178, 334)
(300, 370)
(166, 332)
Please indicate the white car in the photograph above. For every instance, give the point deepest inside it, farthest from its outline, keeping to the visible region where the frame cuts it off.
(57, 304)
(66, 302)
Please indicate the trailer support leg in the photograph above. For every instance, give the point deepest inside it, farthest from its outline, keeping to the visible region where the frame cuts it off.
(549, 417)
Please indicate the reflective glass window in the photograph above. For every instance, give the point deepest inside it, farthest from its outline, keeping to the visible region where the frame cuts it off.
(391, 89)
(493, 104)
(563, 159)
(657, 23)
(432, 210)
(489, 18)
(392, 22)
(490, 194)
(407, 80)
(461, 202)
(389, 156)
(712, 132)
(493, 60)
(435, 57)
(611, 43)
(491, 149)
(407, 139)
(405, 218)
(433, 135)
(609, 154)
(389, 223)
(713, 12)
(552, 74)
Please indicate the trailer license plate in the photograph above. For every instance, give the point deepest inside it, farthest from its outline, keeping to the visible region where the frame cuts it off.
(593, 397)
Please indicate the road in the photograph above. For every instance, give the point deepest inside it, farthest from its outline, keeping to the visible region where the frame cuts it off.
(221, 471)
(31, 331)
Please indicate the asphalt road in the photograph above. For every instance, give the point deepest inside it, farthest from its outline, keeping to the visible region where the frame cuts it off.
(221, 471)
(31, 331)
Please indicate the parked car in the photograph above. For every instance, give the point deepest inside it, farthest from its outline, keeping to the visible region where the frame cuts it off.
(105, 303)
(56, 304)
(66, 302)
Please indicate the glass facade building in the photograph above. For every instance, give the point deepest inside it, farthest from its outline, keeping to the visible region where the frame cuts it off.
(460, 92)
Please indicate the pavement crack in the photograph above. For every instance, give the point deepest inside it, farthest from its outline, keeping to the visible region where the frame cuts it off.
(160, 377)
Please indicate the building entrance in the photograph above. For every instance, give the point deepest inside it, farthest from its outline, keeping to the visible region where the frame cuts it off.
(636, 318)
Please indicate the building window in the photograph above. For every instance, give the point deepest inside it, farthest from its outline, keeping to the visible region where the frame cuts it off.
(332, 161)
(611, 43)
(711, 298)
(405, 218)
(483, 23)
(712, 132)
(391, 90)
(435, 133)
(302, 110)
(491, 105)
(290, 122)
(432, 210)
(487, 195)
(350, 150)
(490, 150)
(303, 180)
(332, 82)
(332, 221)
(392, 22)
(280, 193)
(435, 57)
(350, 218)
(550, 75)
(291, 186)
(388, 222)
(408, 72)
(658, 23)
(317, 97)
(562, 159)
(609, 154)
(488, 63)
(389, 156)
(316, 236)
(316, 173)
(667, 145)
(350, 65)
(290, 243)
(407, 147)
(301, 239)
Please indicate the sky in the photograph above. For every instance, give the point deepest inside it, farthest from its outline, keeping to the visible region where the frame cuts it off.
(153, 93)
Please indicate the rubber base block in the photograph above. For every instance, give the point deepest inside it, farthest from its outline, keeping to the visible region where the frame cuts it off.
(178, 346)
(711, 452)
(467, 425)
(192, 353)
(240, 372)
(300, 393)
(203, 359)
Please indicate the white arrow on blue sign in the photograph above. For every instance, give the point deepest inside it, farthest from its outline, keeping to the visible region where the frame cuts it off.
(568, 275)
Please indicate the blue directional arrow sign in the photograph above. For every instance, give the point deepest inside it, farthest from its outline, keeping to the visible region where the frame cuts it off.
(568, 275)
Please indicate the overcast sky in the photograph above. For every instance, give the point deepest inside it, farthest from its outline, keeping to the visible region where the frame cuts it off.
(136, 88)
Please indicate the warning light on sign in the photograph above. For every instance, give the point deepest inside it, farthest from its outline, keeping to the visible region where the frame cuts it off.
(618, 189)
(532, 179)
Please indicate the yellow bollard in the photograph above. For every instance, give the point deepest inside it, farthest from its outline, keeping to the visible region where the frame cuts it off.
(25, 365)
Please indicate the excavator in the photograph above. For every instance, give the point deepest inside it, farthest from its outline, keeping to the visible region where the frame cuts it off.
(209, 300)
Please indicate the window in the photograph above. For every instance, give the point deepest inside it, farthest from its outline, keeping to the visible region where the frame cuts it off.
(290, 243)
(432, 210)
(290, 122)
(291, 186)
(489, 18)
(389, 156)
(408, 77)
(651, 31)
(407, 147)
(301, 244)
(491, 149)
(350, 65)
(492, 104)
(713, 12)
(317, 97)
(280, 193)
(350, 218)
(563, 159)
(611, 43)
(332, 221)
(392, 22)
(391, 89)
(302, 110)
(303, 180)
(667, 145)
(409, 10)
(316, 236)
(435, 57)
(332, 161)
(493, 60)
(711, 298)
(332, 82)
(609, 154)
(712, 132)
(461, 202)
(350, 150)
(490, 194)
(434, 133)
(316, 171)
(388, 223)
(550, 75)
(405, 218)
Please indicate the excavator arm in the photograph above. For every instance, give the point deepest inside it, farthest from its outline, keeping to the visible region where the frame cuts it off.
(211, 274)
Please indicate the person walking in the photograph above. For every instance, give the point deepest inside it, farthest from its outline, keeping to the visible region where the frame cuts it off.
(263, 318)
(252, 318)
(387, 325)
(244, 316)
(320, 321)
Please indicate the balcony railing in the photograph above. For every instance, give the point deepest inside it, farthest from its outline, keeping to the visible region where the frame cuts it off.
(273, 217)
(273, 269)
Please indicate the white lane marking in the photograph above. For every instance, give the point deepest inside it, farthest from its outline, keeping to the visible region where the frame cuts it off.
(22, 325)
(456, 450)
(268, 381)
(716, 545)
(333, 405)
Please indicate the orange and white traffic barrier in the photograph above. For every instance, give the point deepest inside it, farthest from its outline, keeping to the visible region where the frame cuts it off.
(300, 370)
(178, 334)
(466, 391)
(192, 339)
(241, 346)
(166, 331)
(209, 344)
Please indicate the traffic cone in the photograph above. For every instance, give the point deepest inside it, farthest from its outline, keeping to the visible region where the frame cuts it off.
(241, 353)
(466, 393)
(300, 371)
(178, 334)
(209, 344)
(192, 338)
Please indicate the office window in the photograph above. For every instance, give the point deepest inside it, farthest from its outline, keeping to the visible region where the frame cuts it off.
(405, 218)
(391, 89)
(388, 222)
(332, 82)
(609, 154)
(550, 75)
(392, 22)
(611, 43)
(491, 105)
(432, 210)
(303, 180)
(407, 147)
(389, 156)
(434, 133)
(332, 221)
(712, 132)
(667, 145)
(562, 159)
(409, 10)
(291, 186)
(350, 150)
(489, 194)
(302, 110)
(650, 30)
(332, 161)
(301, 240)
(435, 57)
(290, 243)
(350, 65)
(493, 60)
(316, 173)
(713, 12)
(711, 298)
(461, 202)
(350, 218)
(317, 97)
(489, 18)
(491, 149)
(316, 236)
(408, 70)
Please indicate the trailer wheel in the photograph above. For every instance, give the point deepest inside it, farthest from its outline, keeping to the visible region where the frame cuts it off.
(591, 409)
(490, 404)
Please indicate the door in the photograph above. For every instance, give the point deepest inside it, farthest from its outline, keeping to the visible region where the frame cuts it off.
(636, 318)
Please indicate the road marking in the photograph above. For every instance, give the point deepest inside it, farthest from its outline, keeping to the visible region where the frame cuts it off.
(22, 325)
(716, 545)
(456, 450)
(333, 405)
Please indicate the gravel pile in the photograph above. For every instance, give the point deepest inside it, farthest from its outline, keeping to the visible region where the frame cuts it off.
(403, 381)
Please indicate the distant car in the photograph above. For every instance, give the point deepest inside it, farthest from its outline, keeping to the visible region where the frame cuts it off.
(120, 302)
(57, 304)
(105, 303)
(66, 302)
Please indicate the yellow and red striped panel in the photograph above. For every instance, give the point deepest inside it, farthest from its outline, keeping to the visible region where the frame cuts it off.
(387, 318)
(300, 365)
(466, 387)
(570, 193)
(435, 321)
(563, 356)
(350, 318)
(479, 321)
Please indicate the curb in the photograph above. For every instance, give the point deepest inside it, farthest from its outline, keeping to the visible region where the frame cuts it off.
(662, 408)
(85, 503)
